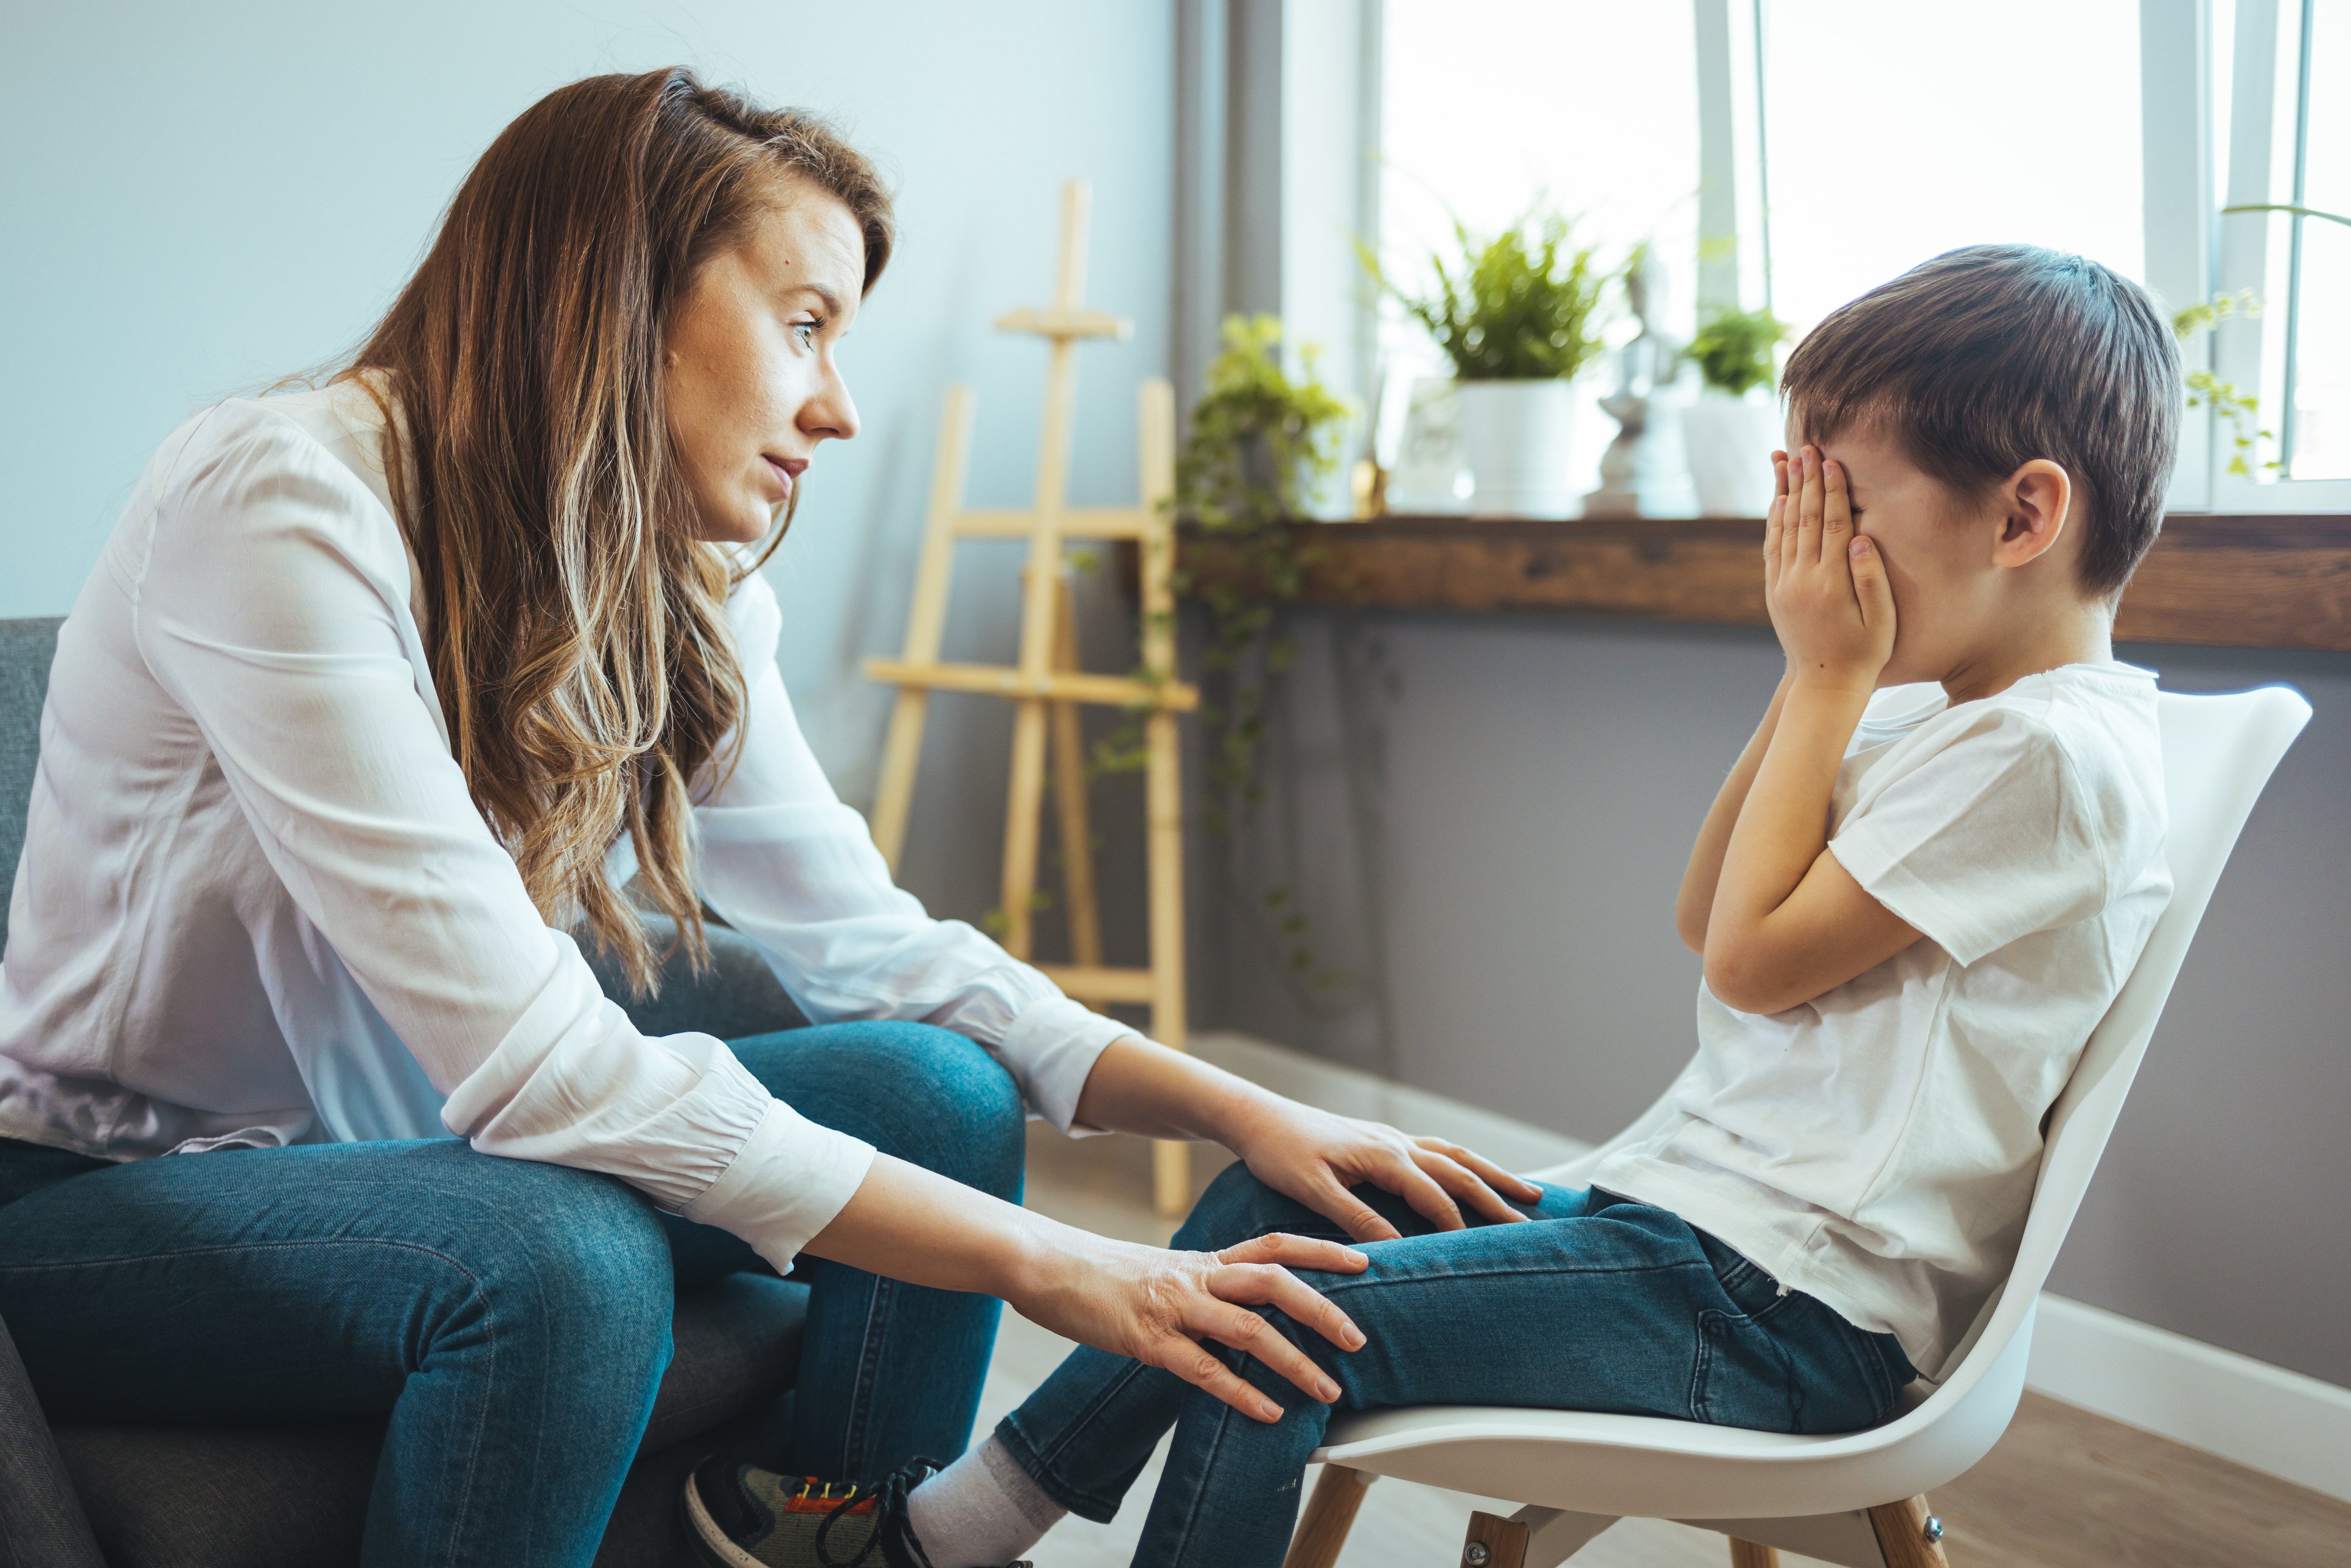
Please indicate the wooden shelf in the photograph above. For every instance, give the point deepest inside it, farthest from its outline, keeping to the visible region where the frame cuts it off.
(2226, 581)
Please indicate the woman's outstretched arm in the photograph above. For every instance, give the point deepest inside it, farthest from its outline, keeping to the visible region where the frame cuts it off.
(1156, 1305)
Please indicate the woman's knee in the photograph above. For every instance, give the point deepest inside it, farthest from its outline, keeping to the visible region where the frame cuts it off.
(922, 1092)
(566, 1256)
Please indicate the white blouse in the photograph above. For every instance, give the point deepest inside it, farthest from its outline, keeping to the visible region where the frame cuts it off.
(257, 906)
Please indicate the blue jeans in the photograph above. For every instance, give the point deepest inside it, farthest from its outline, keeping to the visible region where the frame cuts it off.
(1598, 1303)
(512, 1318)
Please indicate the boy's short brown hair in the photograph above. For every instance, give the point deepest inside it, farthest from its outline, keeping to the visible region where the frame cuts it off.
(1984, 359)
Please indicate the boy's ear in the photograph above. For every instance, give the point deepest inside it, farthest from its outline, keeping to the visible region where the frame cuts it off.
(2033, 506)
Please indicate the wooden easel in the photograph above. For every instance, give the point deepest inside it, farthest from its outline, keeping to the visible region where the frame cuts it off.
(1046, 689)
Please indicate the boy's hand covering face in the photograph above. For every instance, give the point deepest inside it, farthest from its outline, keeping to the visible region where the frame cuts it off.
(1824, 584)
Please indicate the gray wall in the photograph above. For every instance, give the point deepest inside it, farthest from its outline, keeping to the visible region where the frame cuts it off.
(201, 199)
(1488, 818)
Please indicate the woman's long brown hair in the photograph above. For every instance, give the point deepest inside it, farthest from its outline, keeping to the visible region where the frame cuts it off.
(576, 627)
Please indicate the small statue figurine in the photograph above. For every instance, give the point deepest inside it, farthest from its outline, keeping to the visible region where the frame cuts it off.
(1644, 472)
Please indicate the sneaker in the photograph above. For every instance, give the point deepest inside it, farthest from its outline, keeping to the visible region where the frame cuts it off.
(743, 1517)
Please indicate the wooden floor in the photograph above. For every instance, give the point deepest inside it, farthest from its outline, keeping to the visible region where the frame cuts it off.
(2064, 1489)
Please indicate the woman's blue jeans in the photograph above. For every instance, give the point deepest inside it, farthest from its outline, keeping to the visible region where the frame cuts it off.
(513, 1318)
(1597, 1305)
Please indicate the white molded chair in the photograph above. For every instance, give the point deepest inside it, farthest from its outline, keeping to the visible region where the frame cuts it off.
(1855, 1499)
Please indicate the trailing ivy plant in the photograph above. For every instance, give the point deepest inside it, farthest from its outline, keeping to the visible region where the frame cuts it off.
(1733, 349)
(1520, 305)
(1260, 441)
(2241, 410)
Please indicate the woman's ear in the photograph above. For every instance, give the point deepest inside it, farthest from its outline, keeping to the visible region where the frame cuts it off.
(2034, 504)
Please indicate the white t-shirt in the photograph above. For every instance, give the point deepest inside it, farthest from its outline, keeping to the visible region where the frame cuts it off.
(1877, 1146)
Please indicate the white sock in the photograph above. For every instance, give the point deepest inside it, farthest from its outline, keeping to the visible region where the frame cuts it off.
(982, 1512)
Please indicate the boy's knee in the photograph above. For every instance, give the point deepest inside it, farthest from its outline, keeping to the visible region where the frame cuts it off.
(1236, 1208)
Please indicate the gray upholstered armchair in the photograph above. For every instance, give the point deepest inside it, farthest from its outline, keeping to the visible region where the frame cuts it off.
(263, 1497)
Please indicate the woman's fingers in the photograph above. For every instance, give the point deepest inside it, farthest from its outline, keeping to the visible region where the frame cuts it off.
(1356, 1217)
(1264, 1285)
(1507, 1183)
(1467, 1186)
(1428, 1200)
(1298, 1252)
(1250, 1335)
(1198, 1366)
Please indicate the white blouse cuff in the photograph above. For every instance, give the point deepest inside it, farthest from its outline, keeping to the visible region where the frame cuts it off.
(1052, 1049)
(788, 1181)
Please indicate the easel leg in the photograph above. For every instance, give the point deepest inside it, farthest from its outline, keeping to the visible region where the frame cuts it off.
(1171, 1163)
(901, 756)
(1027, 799)
(1069, 802)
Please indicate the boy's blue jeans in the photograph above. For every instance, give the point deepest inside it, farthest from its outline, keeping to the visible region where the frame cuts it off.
(1599, 1303)
(513, 1318)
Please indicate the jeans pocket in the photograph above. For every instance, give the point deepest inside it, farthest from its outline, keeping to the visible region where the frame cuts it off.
(1741, 1378)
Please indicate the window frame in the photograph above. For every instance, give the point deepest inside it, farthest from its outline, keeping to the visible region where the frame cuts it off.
(2254, 249)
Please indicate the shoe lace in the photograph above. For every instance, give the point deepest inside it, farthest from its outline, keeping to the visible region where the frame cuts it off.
(893, 1533)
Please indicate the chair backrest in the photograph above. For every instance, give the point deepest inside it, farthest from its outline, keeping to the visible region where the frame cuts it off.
(26, 648)
(2218, 753)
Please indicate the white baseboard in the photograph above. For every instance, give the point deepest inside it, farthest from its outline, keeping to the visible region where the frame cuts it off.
(2295, 1428)
(2262, 1416)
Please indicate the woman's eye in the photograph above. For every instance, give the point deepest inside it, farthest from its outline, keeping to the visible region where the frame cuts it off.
(806, 331)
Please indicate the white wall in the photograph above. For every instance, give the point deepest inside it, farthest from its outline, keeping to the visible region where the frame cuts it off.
(200, 199)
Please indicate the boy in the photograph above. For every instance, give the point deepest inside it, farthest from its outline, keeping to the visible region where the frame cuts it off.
(1918, 892)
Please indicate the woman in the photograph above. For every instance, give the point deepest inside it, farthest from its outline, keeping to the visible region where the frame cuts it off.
(372, 689)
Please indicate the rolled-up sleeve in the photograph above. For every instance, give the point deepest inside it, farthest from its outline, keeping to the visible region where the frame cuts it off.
(271, 604)
(786, 864)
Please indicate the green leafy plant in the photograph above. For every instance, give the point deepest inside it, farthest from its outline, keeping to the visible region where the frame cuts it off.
(1521, 305)
(2241, 410)
(1733, 348)
(1260, 440)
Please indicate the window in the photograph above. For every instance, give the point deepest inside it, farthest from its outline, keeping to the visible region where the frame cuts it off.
(2314, 440)
(1898, 132)
(2282, 127)
(1855, 138)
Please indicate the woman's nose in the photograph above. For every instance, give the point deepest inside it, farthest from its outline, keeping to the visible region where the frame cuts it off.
(831, 413)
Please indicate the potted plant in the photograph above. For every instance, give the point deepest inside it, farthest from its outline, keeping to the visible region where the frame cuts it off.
(1518, 316)
(1734, 424)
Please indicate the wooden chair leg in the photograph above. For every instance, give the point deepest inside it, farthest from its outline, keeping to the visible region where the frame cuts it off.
(1330, 1514)
(1908, 1534)
(1748, 1554)
(1494, 1542)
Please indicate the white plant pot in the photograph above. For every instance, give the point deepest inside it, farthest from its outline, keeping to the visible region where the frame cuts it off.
(1515, 443)
(1730, 441)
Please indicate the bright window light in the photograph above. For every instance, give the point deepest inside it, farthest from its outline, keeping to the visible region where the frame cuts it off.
(1489, 104)
(1894, 132)
(2319, 437)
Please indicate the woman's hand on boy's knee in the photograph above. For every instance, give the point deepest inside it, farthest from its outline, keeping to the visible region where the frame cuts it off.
(1157, 1307)
(1314, 1156)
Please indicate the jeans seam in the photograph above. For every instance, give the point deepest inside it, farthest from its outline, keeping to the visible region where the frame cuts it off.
(1208, 1464)
(1043, 1467)
(1700, 1407)
(860, 1397)
(489, 1322)
(1364, 1281)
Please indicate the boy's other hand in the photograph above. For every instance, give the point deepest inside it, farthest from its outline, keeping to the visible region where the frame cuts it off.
(1824, 584)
